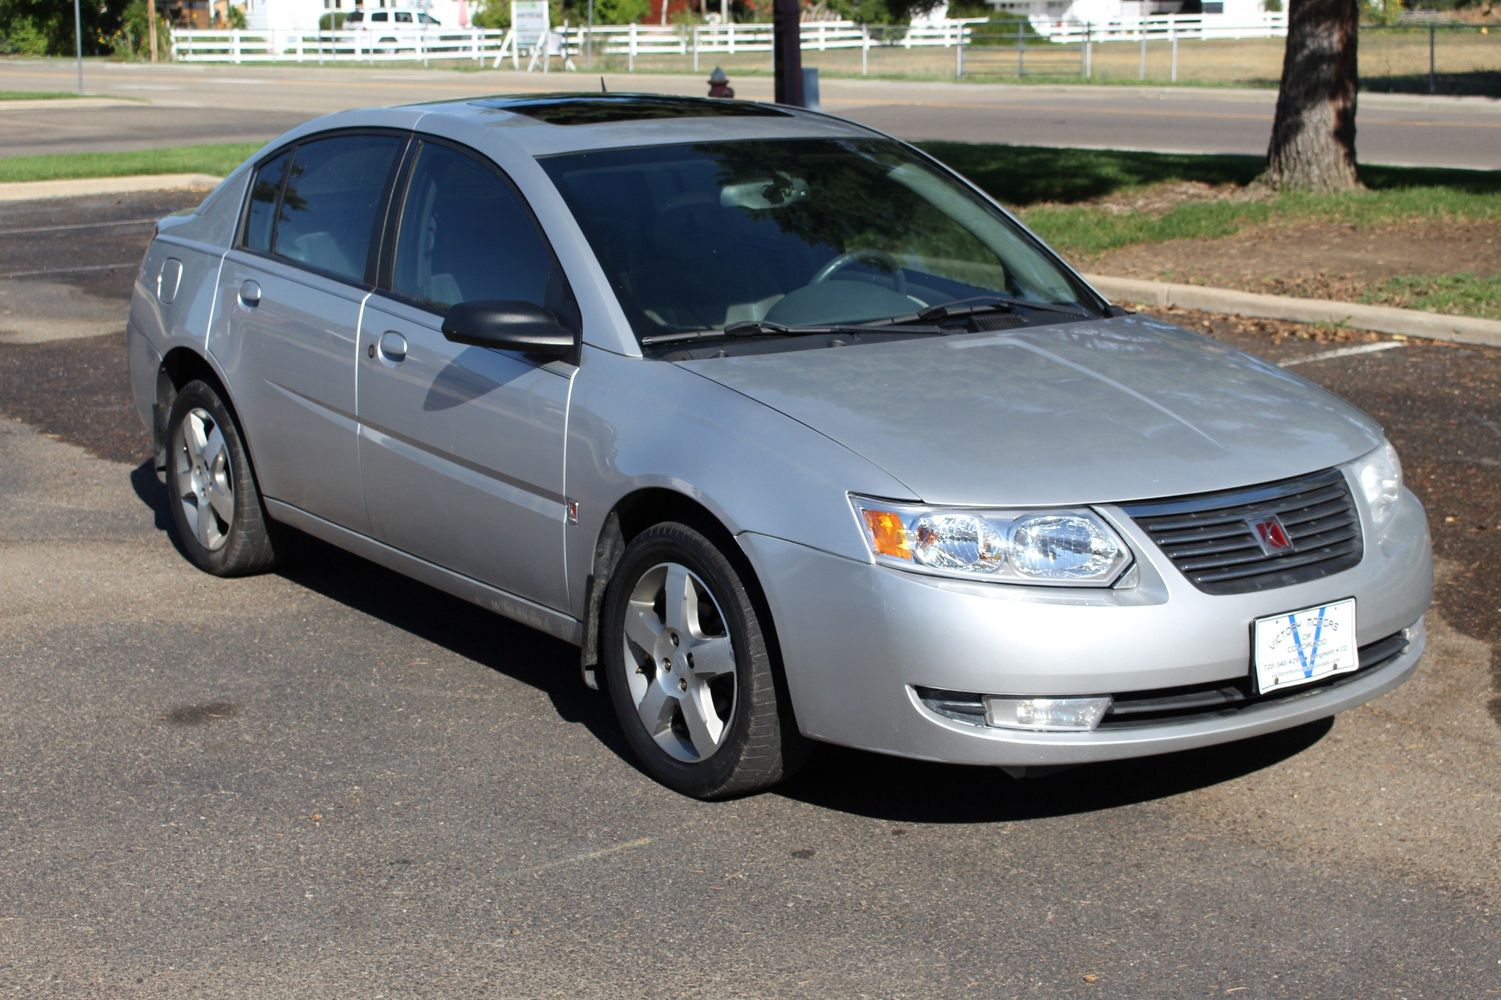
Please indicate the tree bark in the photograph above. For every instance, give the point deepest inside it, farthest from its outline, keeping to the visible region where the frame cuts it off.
(1313, 136)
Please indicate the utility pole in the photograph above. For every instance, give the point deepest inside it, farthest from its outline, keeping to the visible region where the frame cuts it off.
(787, 46)
(151, 26)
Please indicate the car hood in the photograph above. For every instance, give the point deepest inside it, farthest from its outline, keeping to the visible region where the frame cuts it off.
(1094, 412)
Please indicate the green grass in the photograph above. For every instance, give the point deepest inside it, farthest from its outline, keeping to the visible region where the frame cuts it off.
(216, 160)
(37, 95)
(1025, 175)
(1053, 189)
(1456, 294)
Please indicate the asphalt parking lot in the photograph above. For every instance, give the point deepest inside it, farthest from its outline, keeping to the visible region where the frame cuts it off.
(332, 781)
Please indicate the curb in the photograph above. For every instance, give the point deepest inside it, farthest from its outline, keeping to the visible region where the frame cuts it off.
(39, 190)
(1379, 319)
(59, 103)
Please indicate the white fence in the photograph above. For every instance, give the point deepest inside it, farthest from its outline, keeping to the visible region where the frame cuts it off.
(1271, 24)
(192, 45)
(629, 40)
(633, 40)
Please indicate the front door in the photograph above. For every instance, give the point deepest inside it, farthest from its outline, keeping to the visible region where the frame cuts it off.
(461, 447)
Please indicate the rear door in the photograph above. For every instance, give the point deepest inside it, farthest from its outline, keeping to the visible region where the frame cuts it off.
(288, 315)
(461, 447)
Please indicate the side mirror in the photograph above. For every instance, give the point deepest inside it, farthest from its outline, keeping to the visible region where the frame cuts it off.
(509, 326)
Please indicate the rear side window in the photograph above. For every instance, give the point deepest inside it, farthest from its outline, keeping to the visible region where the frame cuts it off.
(327, 214)
(466, 235)
(355, 17)
(402, 17)
(263, 193)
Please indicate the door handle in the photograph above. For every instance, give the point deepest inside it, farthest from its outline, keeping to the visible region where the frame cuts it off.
(250, 293)
(393, 346)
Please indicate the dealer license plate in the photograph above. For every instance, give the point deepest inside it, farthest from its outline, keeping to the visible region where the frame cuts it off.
(1299, 647)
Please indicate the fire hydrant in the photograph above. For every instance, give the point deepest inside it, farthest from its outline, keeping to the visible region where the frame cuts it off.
(719, 84)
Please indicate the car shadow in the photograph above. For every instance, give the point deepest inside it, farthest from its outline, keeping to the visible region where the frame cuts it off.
(525, 654)
(896, 789)
(532, 657)
(834, 778)
(149, 489)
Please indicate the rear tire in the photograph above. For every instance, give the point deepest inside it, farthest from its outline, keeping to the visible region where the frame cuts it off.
(689, 672)
(217, 514)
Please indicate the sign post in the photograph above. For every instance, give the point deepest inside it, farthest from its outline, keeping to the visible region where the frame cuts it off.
(530, 21)
(78, 43)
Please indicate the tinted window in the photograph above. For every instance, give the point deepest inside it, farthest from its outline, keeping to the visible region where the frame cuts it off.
(355, 17)
(466, 235)
(328, 208)
(379, 15)
(263, 192)
(403, 17)
(803, 231)
(427, 19)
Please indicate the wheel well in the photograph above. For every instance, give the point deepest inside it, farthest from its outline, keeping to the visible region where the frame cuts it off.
(644, 508)
(633, 515)
(181, 366)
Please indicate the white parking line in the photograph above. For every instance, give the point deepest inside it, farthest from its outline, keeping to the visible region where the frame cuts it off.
(67, 270)
(1344, 352)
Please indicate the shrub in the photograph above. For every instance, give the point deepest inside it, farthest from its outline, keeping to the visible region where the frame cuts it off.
(1001, 29)
(493, 16)
(22, 37)
(133, 41)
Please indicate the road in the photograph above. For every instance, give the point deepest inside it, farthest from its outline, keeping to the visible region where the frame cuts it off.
(202, 103)
(335, 782)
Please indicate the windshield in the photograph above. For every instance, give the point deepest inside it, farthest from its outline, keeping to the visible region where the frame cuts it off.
(798, 232)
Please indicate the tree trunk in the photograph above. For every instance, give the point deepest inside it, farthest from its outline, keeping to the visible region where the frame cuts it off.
(787, 52)
(1313, 136)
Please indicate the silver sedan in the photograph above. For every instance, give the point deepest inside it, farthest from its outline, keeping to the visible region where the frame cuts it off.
(794, 432)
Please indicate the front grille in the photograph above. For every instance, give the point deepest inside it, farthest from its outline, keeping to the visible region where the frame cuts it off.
(1210, 539)
(1139, 708)
(1179, 704)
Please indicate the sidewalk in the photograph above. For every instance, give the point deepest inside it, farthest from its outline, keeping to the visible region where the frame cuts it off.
(1225, 301)
(1353, 315)
(79, 187)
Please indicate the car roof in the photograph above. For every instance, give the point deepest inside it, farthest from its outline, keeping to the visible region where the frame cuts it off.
(547, 124)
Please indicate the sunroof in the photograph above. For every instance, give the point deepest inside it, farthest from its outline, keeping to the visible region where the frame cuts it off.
(604, 109)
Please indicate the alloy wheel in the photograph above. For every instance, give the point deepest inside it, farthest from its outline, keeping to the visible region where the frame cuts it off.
(205, 482)
(683, 684)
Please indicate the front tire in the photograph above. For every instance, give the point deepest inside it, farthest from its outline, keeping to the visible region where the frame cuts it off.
(688, 669)
(217, 514)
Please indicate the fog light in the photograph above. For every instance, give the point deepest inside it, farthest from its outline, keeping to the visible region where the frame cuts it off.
(1046, 715)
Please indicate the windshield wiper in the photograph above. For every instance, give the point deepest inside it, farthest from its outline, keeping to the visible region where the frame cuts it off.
(766, 328)
(987, 303)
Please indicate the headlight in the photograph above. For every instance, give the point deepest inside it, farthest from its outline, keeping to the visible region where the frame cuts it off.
(1380, 477)
(1072, 548)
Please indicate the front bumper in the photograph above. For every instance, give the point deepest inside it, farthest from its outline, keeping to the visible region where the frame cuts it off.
(858, 640)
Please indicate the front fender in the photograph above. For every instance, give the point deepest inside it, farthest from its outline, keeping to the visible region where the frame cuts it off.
(635, 424)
